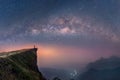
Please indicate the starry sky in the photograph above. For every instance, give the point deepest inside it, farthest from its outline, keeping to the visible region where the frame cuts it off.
(66, 32)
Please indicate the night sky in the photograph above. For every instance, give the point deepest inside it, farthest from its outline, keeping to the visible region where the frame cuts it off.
(66, 32)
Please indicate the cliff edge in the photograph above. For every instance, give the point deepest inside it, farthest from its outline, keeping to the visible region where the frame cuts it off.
(20, 65)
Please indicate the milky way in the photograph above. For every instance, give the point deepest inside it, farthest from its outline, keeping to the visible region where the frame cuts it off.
(78, 23)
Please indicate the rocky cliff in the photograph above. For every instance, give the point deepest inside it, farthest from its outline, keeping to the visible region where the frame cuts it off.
(19, 65)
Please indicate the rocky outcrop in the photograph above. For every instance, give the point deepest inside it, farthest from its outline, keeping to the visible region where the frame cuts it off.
(20, 65)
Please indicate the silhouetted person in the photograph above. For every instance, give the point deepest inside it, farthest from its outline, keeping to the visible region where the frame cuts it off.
(34, 47)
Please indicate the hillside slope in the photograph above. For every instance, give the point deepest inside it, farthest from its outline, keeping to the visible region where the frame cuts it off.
(103, 69)
(19, 65)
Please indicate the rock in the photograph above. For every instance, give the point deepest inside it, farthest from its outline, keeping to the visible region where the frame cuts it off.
(20, 65)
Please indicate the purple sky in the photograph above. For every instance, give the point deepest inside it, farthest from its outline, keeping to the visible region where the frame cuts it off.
(66, 32)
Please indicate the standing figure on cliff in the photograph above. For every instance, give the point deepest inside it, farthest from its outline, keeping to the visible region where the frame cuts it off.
(34, 47)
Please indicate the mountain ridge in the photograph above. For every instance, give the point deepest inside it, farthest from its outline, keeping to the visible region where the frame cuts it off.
(102, 69)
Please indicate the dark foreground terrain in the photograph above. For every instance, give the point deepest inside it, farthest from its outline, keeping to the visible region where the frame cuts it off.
(103, 69)
(19, 65)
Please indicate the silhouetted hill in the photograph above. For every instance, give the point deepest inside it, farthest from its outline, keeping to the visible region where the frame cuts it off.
(51, 73)
(19, 65)
(103, 69)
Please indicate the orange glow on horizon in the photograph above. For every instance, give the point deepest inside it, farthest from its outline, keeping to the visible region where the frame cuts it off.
(50, 55)
(16, 47)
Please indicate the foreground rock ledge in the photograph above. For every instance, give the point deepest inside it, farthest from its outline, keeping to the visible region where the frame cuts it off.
(20, 65)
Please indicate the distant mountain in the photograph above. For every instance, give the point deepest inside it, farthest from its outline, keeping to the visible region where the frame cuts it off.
(51, 73)
(103, 69)
(19, 65)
